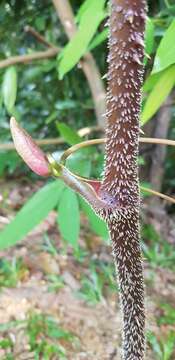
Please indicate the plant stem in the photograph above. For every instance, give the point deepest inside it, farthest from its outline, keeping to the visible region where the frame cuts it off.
(24, 59)
(120, 185)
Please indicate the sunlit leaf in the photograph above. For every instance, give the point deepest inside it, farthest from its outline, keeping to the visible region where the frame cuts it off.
(98, 39)
(9, 88)
(165, 55)
(151, 81)
(159, 93)
(69, 217)
(31, 214)
(90, 18)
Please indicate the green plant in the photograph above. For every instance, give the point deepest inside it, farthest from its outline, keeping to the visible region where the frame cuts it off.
(101, 278)
(45, 336)
(158, 251)
(164, 347)
(55, 282)
(11, 272)
(168, 316)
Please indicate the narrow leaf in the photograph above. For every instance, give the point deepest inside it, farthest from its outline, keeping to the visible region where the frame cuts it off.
(101, 37)
(68, 134)
(151, 81)
(149, 36)
(159, 93)
(90, 19)
(165, 55)
(9, 88)
(69, 217)
(31, 214)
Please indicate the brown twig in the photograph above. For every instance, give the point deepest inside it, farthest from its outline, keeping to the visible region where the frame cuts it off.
(55, 141)
(38, 36)
(24, 59)
(87, 63)
(83, 132)
(157, 193)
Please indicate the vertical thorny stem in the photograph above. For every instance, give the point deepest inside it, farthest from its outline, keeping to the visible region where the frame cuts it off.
(126, 51)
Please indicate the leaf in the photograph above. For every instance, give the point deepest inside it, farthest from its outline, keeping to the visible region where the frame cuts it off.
(165, 55)
(90, 18)
(149, 36)
(98, 39)
(68, 134)
(159, 93)
(151, 81)
(9, 88)
(79, 164)
(31, 214)
(69, 217)
(97, 225)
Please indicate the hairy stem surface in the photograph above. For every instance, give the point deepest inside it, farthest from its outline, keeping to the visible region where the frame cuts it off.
(120, 186)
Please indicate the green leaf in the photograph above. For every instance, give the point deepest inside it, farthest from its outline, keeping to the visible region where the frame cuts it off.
(165, 55)
(98, 39)
(151, 81)
(159, 93)
(69, 217)
(9, 88)
(79, 164)
(97, 225)
(149, 36)
(90, 18)
(31, 214)
(68, 134)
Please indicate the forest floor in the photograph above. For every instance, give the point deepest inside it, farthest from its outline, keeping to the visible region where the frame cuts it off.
(53, 301)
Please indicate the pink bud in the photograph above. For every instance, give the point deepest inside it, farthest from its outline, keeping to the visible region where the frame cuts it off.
(28, 149)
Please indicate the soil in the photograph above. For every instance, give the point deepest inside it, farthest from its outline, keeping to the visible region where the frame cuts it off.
(97, 327)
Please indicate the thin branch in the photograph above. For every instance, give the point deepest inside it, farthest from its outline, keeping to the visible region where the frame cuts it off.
(83, 132)
(24, 59)
(86, 143)
(38, 36)
(157, 141)
(55, 141)
(156, 193)
(88, 64)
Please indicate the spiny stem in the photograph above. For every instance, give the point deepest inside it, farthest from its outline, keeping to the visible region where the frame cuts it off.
(120, 184)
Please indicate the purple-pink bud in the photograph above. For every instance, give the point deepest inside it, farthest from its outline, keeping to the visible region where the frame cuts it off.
(29, 150)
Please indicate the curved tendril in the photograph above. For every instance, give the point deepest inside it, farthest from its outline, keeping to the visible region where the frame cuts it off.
(84, 144)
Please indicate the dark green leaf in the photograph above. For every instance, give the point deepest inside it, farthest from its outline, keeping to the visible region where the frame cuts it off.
(69, 217)
(31, 214)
